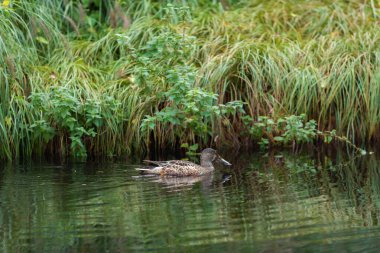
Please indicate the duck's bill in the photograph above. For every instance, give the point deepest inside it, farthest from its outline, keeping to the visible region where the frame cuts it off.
(225, 162)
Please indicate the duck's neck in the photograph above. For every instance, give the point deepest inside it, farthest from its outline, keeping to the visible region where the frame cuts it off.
(207, 164)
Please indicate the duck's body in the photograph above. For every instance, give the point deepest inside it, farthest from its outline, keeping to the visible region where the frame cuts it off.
(181, 168)
(177, 168)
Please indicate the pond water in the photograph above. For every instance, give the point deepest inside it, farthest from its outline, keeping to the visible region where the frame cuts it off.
(265, 203)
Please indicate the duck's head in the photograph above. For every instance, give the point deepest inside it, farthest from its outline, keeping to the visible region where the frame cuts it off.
(210, 155)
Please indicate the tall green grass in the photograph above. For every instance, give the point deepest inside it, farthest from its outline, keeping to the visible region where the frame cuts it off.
(279, 57)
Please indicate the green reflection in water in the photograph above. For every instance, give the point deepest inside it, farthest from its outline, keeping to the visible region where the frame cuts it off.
(286, 203)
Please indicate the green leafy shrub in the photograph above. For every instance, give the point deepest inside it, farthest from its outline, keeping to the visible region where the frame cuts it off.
(291, 129)
(63, 113)
(162, 67)
(191, 150)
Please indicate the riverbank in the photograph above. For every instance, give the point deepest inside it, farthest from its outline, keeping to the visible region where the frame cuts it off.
(109, 79)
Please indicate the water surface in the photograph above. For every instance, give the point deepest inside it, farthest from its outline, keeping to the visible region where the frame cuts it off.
(265, 203)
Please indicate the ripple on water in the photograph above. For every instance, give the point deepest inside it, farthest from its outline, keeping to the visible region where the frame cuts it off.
(111, 207)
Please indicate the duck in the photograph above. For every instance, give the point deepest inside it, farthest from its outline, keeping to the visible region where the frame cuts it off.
(180, 168)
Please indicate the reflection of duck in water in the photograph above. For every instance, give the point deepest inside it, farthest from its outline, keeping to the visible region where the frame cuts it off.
(180, 168)
(183, 183)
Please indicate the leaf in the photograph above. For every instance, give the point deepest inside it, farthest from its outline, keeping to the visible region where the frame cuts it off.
(98, 122)
(6, 3)
(327, 139)
(151, 125)
(184, 145)
(279, 138)
(42, 40)
(193, 147)
(191, 153)
(259, 124)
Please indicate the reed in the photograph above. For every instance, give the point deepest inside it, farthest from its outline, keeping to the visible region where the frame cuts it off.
(279, 58)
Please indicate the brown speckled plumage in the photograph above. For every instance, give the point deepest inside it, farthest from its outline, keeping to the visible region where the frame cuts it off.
(181, 168)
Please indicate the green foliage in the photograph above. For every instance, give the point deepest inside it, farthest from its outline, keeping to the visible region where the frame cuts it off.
(287, 130)
(62, 113)
(296, 130)
(191, 150)
(185, 106)
(174, 69)
(293, 129)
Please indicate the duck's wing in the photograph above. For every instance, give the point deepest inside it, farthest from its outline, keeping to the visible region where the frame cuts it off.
(182, 169)
(181, 163)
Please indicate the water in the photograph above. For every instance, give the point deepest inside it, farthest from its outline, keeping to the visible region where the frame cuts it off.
(275, 203)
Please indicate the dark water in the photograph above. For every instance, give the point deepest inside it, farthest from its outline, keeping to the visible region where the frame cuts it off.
(275, 203)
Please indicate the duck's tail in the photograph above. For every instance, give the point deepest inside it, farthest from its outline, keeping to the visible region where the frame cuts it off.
(150, 170)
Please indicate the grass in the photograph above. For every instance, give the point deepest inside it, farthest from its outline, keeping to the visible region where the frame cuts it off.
(278, 57)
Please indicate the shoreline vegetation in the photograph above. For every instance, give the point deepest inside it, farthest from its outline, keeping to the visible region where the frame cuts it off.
(105, 77)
